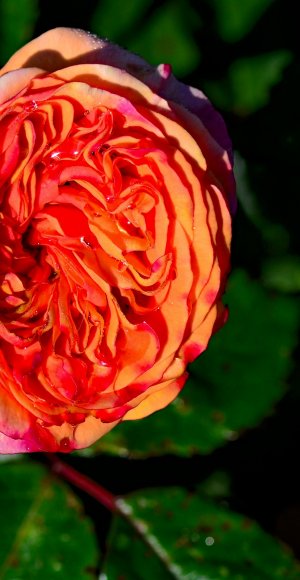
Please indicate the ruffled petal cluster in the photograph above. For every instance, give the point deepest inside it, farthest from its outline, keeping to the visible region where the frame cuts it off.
(116, 190)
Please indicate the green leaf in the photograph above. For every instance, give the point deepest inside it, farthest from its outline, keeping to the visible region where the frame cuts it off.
(235, 19)
(275, 236)
(17, 20)
(9, 458)
(249, 81)
(283, 274)
(233, 385)
(42, 526)
(105, 23)
(184, 536)
(166, 37)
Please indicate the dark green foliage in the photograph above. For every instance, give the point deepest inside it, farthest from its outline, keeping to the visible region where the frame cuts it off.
(17, 20)
(44, 533)
(181, 535)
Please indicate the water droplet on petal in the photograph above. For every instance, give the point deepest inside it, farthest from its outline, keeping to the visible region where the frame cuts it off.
(84, 241)
(55, 155)
(31, 106)
(122, 265)
(65, 444)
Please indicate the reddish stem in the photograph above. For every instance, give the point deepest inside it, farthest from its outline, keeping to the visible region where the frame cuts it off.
(82, 482)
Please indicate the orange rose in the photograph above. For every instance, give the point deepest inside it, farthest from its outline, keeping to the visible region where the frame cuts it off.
(115, 185)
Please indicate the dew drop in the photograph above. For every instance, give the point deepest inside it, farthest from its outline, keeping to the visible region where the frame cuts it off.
(209, 541)
(110, 197)
(122, 265)
(31, 106)
(55, 155)
(84, 241)
(103, 363)
(65, 444)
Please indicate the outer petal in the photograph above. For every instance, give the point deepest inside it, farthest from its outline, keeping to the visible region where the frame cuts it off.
(62, 47)
(18, 429)
(10, 446)
(13, 82)
(69, 438)
(195, 101)
(159, 398)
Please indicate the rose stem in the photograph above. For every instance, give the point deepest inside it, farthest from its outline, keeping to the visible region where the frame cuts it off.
(83, 482)
(107, 499)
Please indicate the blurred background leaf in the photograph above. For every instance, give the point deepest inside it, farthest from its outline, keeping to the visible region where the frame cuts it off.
(17, 21)
(235, 19)
(106, 24)
(283, 274)
(159, 35)
(249, 81)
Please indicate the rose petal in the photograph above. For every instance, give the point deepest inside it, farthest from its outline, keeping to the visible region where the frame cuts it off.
(62, 47)
(115, 232)
(164, 394)
(77, 46)
(12, 83)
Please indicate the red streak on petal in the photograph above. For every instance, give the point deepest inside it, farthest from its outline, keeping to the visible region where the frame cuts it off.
(192, 351)
(211, 296)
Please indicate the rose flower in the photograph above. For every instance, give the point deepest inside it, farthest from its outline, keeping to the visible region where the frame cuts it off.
(116, 189)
